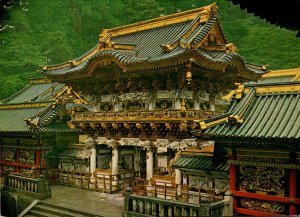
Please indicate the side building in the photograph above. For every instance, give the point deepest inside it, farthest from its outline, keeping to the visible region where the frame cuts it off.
(260, 134)
(33, 123)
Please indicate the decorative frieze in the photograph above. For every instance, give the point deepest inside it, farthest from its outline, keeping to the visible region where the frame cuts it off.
(262, 205)
(269, 180)
(263, 164)
(143, 115)
(27, 156)
(8, 154)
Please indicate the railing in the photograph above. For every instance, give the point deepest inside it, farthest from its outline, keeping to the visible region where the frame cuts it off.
(143, 115)
(135, 205)
(103, 182)
(37, 188)
(170, 190)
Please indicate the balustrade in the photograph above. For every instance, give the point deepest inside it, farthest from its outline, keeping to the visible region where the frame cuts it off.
(37, 188)
(98, 181)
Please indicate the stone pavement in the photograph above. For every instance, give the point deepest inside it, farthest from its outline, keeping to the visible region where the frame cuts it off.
(107, 205)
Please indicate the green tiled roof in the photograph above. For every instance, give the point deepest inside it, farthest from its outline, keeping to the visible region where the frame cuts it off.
(148, 49)
(275, 115)
(35, 92)
(71, 153)
(200, 163)
(13, 120)
(269, 80)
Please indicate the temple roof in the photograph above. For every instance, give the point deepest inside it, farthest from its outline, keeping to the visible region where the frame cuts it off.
(160, 43)
(38, 107)
(267, 109)
(200, 162)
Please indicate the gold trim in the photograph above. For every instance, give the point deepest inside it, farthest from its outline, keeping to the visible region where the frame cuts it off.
(39, 81)
(23, 105)
(282, 72)
(229, 95)
(163, 21)
(69, 90)
(278, 89)
(239, 91)
(264, 164)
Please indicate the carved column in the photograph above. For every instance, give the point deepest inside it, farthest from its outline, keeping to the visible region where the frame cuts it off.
(93, 159)
(197, 105)
(115, 160)
(178, 104)
(149, 163)
(184, 179)
(178, 181)
(151, 105)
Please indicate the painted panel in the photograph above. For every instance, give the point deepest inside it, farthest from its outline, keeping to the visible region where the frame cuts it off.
(103, 161)
(8, 154)
(201, 182)
(268, 180)
(27, 156)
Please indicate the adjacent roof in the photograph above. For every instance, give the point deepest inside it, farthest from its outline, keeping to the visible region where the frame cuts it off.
(38, 108)
(36, 91)
(74, 152)
(200, 163)
(160, 43)
(267, 109)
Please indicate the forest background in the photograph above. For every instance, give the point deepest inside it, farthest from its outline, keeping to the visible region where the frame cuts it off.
(34, 33)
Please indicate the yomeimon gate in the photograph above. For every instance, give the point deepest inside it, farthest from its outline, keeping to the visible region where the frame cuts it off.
(147, 83)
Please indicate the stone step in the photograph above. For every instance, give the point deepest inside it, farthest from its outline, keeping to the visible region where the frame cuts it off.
(74, 212)
(57, 211)
(37, 213)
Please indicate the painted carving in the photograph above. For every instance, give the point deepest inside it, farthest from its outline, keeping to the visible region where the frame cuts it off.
(103, 161)
(162, 161)
(44, 155)
(8, 154)
(269, 180)
(161, 143)
(199, 181)
(67, 166)
(81, 168)
(27, 156)
(127, 161)
(221, 184)
(262, 205)
(8, 168)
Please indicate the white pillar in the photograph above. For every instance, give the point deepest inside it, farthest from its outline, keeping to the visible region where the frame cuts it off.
(178, 180)
(151, 105)
(184, 180)
(178, 104)
(149, 164)
(137, 160)
(93, 160)
(197, 105)
(115, 160)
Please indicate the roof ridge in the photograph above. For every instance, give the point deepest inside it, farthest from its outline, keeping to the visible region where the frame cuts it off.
(163, 20)
(17, 93)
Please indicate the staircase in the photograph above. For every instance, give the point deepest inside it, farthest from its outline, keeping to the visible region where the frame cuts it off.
(43, 209)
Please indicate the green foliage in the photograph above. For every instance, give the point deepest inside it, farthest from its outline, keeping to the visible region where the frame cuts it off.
(40, 34)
